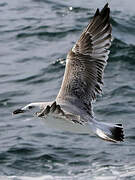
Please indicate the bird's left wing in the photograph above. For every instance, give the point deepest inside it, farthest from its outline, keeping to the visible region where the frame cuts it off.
(86, 61)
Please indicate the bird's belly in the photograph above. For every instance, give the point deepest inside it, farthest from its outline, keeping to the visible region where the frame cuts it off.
(66, 125)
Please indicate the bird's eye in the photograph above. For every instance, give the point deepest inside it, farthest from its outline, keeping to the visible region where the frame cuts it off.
(30, 107)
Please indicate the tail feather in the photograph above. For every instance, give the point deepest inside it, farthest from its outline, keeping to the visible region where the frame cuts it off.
(109, 132)
(117, 133)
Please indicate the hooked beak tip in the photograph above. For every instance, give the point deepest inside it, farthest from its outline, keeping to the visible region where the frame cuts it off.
(17, 111)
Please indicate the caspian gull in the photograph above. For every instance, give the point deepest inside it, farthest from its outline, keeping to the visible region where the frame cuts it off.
(83, 79)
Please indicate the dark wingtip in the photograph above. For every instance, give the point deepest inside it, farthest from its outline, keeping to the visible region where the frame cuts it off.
(18, 111)
(105, 10)
(105, 7)
(97, 12)
(118, 133)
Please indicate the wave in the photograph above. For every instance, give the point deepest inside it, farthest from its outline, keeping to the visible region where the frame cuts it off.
(47, 34)
(122, 51)
(109, 172)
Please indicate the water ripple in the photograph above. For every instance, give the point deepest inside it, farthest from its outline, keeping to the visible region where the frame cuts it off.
(34, 39)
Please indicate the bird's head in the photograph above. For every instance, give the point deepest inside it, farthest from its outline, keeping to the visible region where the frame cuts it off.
(32, 107)
(29, 108)
(24, 109)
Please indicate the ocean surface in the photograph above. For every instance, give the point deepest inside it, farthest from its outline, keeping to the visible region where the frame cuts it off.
(35, 36)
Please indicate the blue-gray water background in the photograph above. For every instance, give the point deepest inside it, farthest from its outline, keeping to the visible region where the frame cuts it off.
(35, 36)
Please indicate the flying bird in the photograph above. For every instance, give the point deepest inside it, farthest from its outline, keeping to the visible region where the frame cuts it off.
(83, 80)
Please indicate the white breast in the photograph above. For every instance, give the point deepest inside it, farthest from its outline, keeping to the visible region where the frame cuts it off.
(61, 124)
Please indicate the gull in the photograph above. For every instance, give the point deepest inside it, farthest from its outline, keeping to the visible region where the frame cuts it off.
(83, 80)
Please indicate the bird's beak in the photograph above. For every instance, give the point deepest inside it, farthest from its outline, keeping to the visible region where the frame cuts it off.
(17, 111)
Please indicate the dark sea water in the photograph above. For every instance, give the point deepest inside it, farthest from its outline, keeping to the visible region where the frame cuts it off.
(35, 36)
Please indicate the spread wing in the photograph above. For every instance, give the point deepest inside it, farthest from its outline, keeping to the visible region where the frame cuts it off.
(86, 61)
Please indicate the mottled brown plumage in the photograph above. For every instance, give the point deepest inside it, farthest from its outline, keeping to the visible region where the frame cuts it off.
(86, 61)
